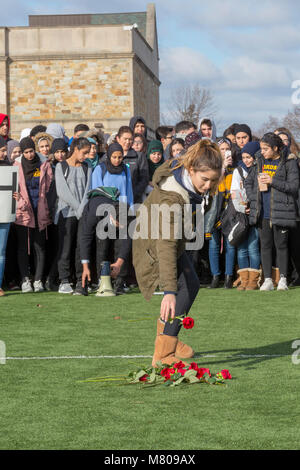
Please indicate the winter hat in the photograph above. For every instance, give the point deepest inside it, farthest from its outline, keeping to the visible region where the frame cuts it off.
(191, 139)
(59, 144)
(155, 146)
(27, 143)
(251, 148)
(243, 128)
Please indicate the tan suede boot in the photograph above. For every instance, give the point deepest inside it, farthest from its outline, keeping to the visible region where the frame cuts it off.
(254, 276)
(244, 276)
(164, 350)
(275, 276)
(182, 350)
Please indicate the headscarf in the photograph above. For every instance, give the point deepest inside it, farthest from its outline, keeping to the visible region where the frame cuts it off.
(115, 170)
(29, 166)
(3, 143)
(154, 146)
(243, 128)
(92, 162)
(56, 131)
(11, 145)
(25, 133)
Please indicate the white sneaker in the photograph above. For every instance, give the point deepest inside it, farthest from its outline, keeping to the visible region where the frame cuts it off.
(38, 286)
(65, 288)
(26, 286)
(268, 284)
(282, 284)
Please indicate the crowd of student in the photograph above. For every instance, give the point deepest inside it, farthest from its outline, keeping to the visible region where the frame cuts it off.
(62, 182)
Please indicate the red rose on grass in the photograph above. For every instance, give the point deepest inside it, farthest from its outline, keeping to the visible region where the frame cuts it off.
(194, 366)
(166, 373)
(188, 323)
(181, 371)
(202, 371)
(226, 374)
(144, 378)
(179, 365)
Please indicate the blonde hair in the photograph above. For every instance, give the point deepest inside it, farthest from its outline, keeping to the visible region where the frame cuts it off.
(202, 156)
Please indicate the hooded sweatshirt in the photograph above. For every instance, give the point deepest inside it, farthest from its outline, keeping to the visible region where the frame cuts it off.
(214, 130)
(2, 117)
(133, 122)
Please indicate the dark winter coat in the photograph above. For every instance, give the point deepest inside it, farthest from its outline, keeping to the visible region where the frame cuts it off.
(284, 191)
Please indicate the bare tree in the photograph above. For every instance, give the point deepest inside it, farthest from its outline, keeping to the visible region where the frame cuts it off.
(292, 121)
(269, 126)
(190, 103)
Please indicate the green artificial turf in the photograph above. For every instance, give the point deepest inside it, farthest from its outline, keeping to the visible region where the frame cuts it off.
(43, 405)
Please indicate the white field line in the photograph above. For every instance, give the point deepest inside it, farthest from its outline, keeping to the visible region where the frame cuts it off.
(233, 356)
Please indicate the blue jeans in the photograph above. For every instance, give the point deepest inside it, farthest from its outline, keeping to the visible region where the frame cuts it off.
(248, 253)
(4, 230)
(214, 254)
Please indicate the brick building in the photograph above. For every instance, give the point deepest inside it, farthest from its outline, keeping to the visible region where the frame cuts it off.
(80, 68)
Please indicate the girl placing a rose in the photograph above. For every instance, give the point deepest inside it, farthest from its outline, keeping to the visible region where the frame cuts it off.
(159, 242)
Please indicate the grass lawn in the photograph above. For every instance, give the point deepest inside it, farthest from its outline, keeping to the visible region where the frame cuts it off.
(43, 405)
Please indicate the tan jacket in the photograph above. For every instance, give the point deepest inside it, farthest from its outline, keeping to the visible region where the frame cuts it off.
(155, 260)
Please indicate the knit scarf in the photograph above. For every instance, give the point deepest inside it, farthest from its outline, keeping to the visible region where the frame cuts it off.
(29, 166)
(93, 162)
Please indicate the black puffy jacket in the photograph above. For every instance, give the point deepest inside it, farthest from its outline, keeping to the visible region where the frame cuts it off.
(284, 191)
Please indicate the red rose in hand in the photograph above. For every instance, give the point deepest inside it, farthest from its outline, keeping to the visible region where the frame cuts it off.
(144, 378)
(188, 323)
(226, 374)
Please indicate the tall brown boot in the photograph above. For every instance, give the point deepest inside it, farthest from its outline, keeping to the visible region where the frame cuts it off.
(182, 350)
(254, 276)
(275, 276)
(244, 276)
(164, 350)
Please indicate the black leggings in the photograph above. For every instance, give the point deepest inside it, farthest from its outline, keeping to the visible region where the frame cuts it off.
(69, 233)
(28, 238)
(279, 236)
(188, 287)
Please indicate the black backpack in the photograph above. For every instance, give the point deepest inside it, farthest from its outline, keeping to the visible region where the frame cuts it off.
(234, 224)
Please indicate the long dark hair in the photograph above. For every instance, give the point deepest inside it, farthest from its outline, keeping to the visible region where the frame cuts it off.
(273, 140)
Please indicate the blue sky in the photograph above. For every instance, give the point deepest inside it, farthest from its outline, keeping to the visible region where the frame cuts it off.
(246, 52)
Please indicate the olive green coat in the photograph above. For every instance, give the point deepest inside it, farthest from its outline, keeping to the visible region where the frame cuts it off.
(155, 257)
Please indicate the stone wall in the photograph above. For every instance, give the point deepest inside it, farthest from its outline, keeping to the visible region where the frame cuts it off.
(56, 90)
(85, 74)
(146, 94)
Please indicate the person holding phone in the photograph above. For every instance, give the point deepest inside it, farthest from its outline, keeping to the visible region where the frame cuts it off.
(272, 187)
